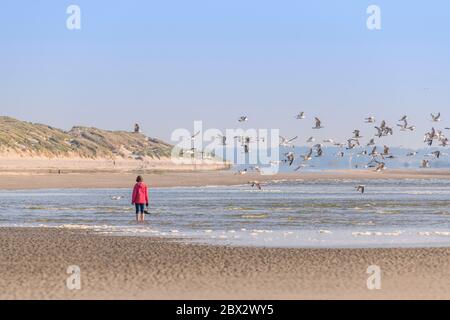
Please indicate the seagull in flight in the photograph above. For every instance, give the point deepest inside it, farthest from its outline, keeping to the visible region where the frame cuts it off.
(361, 188)
(383, 130)
(195, 135)
(301, 166)
(356, 134)
(243, 119)
(256, 168)
(380, 132)
(300, 116)
(319, 150)
(436, 118)
(223, 139)
(380, 167)
(404, 126)
(352, 143)
(287, 142)
(255, 184)
(362, 153)
(308, 156)
(425, 164)
(290, 157)
(369, 120)
(374, 152)
(436, 154)
(318, 123)
(242, 172)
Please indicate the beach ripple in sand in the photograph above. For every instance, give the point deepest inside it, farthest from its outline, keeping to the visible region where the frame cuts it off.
(34, 264)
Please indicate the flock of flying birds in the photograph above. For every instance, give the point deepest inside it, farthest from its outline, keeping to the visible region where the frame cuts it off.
(376, 158)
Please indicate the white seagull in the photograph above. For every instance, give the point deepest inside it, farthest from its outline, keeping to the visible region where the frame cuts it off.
(287, 142)
(300, 116)
(436, 118)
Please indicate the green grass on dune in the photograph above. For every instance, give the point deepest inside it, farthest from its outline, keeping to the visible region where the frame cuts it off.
(43, 140)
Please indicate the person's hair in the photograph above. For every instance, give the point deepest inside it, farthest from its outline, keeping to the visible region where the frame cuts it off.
(139, 179)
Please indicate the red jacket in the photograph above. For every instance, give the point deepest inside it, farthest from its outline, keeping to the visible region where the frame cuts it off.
(140, 193)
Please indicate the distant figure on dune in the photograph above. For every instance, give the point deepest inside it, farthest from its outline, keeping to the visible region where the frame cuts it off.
(137, 129)
(140, 198)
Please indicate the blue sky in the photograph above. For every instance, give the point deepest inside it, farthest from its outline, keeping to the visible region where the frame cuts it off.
(168, 63)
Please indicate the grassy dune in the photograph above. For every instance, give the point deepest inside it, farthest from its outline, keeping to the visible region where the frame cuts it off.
(32, 139)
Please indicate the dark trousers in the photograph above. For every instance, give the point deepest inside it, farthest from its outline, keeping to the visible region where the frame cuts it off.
(139, 207)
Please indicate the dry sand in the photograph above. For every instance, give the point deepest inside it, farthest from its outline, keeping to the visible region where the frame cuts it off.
(94, 179)
(15, 164)
(34, 262)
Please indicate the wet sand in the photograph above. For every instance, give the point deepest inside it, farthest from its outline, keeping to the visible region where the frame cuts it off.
(194, 178)
(34, 262)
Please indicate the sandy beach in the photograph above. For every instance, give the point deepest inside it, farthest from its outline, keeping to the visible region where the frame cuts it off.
(95, 179)
(35, 260)
(15, 164)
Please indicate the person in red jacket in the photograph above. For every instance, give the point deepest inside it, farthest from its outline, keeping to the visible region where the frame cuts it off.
(140, 198)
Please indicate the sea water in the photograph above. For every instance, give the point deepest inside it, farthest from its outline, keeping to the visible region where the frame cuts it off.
(322, 213)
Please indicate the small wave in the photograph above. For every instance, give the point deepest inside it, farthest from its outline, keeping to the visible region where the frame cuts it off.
(376, 233)
(259, 231)
(415, 193)
(85, 227)
(263, 191)
(358, 223)
(434, 233)
(254, 216)
(240, 208)
(98, 209)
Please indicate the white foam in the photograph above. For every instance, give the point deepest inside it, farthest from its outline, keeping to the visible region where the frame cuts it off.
(377, 233)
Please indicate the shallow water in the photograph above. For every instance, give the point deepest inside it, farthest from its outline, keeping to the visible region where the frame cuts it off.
(284, 214)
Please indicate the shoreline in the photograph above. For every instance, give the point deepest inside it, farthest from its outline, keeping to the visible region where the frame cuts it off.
(35, 261)
(15, 181)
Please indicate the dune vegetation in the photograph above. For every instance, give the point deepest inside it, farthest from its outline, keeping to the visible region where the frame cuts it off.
(40, 140)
